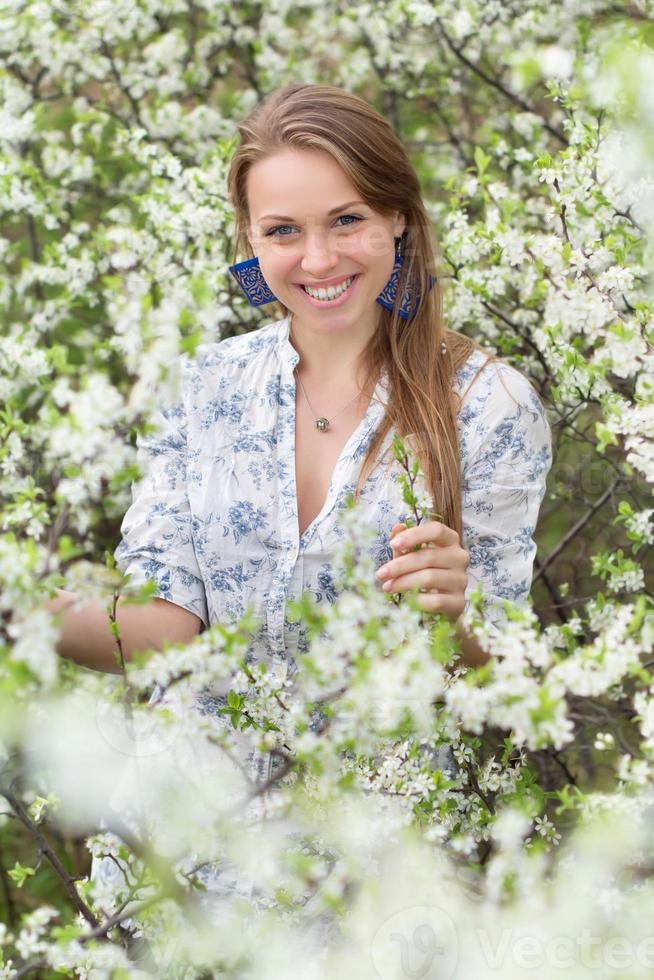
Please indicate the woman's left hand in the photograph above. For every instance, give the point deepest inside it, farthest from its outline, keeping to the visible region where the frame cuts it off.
(439, 564)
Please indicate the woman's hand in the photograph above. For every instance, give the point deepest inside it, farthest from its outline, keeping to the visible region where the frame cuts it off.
(437, 568)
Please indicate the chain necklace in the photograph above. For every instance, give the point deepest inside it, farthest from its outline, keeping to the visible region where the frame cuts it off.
(321, 423)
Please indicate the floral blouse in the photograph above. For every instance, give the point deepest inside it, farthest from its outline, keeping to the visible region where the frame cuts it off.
(214, 520)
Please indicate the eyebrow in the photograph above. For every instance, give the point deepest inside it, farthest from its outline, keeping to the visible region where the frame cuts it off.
(285, 217)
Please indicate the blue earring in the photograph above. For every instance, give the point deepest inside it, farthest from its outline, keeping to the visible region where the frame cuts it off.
(250, 278)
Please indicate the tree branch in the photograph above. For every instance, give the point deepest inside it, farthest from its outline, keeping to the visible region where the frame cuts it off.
(497, 84)
(576, 528)
(45, 849)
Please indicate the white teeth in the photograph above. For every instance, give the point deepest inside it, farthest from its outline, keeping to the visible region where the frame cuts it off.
(330, 293)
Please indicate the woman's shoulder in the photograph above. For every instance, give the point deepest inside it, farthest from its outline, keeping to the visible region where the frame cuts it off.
(485, 382)
(501, 414)
(226, 366)
(238, 350)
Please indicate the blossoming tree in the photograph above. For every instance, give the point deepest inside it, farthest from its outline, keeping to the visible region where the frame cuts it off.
(420, 816)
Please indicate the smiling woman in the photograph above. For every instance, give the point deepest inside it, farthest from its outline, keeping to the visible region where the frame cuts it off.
(329, 208)
(247, 471)
(328, 260)
(246, 474)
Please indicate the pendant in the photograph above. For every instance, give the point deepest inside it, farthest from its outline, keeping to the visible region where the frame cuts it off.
(322, 424)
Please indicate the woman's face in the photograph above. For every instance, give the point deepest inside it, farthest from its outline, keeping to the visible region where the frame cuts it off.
(310, 228)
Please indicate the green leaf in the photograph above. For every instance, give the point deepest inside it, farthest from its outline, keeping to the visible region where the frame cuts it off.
(482, 160)
(235, 700)
(19, 873)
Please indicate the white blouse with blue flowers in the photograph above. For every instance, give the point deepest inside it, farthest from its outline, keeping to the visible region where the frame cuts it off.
(214, 520)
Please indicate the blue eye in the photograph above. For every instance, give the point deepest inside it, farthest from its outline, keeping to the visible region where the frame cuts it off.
(274, 231)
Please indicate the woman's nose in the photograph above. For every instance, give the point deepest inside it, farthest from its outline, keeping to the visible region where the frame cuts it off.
(320, 255)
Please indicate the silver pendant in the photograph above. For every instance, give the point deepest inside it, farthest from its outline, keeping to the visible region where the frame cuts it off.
(322, 424)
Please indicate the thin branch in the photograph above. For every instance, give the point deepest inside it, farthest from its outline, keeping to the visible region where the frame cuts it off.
(98, 932)
(630, 218)
(106, 51)
(488, 801)
(562, 763)
(31, 967)
(553, 591)
(605, 294)
(576, 528)
(46, 850)
(192, 36)
(6, 894)
(523, 336)
(497, 84)
(119, 643)
(247, 671)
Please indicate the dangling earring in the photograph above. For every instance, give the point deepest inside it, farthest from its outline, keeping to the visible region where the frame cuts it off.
(249, 276)
(387, 297)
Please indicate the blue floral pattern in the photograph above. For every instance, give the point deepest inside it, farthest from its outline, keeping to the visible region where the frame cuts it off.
(214, 519)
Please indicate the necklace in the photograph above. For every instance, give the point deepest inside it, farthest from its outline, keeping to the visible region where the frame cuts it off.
(321, 423)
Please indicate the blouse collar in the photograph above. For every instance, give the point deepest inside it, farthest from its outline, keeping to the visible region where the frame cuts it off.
(290, 357)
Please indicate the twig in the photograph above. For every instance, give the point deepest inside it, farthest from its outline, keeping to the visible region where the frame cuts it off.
(575, 529)
(106, 51)
(561, 762)
(553, 591)
(474, 783)
(252, 678)
(497, 84)
(46, 850)
(6, 895)
(98, 932)
(455, 140)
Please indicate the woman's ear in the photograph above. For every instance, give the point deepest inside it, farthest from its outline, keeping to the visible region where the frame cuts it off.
(400, 225)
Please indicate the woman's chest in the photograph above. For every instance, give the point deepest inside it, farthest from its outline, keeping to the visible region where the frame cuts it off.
(259, 483)
(316, 455)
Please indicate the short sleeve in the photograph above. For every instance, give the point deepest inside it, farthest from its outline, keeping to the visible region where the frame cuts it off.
(157, 541)
(506, 450)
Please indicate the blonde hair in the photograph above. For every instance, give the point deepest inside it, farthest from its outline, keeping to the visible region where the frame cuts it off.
(421, 400)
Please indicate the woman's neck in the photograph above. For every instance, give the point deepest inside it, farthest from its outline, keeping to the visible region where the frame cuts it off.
(334, 361)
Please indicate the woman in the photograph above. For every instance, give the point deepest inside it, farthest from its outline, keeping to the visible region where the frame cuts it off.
(246, 476)
(245, 479)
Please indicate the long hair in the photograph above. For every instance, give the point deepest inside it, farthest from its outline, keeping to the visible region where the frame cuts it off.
(421, 401)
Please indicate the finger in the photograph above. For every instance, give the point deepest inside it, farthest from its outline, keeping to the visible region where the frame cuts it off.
(454, 559)
(432, 532)
(443, 579)
(449, 605)
(395, 530)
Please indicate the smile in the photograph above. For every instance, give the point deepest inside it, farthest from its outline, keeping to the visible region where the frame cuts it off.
(334, 296)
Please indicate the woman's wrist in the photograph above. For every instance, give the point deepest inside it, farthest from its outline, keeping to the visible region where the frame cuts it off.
(473, 654)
